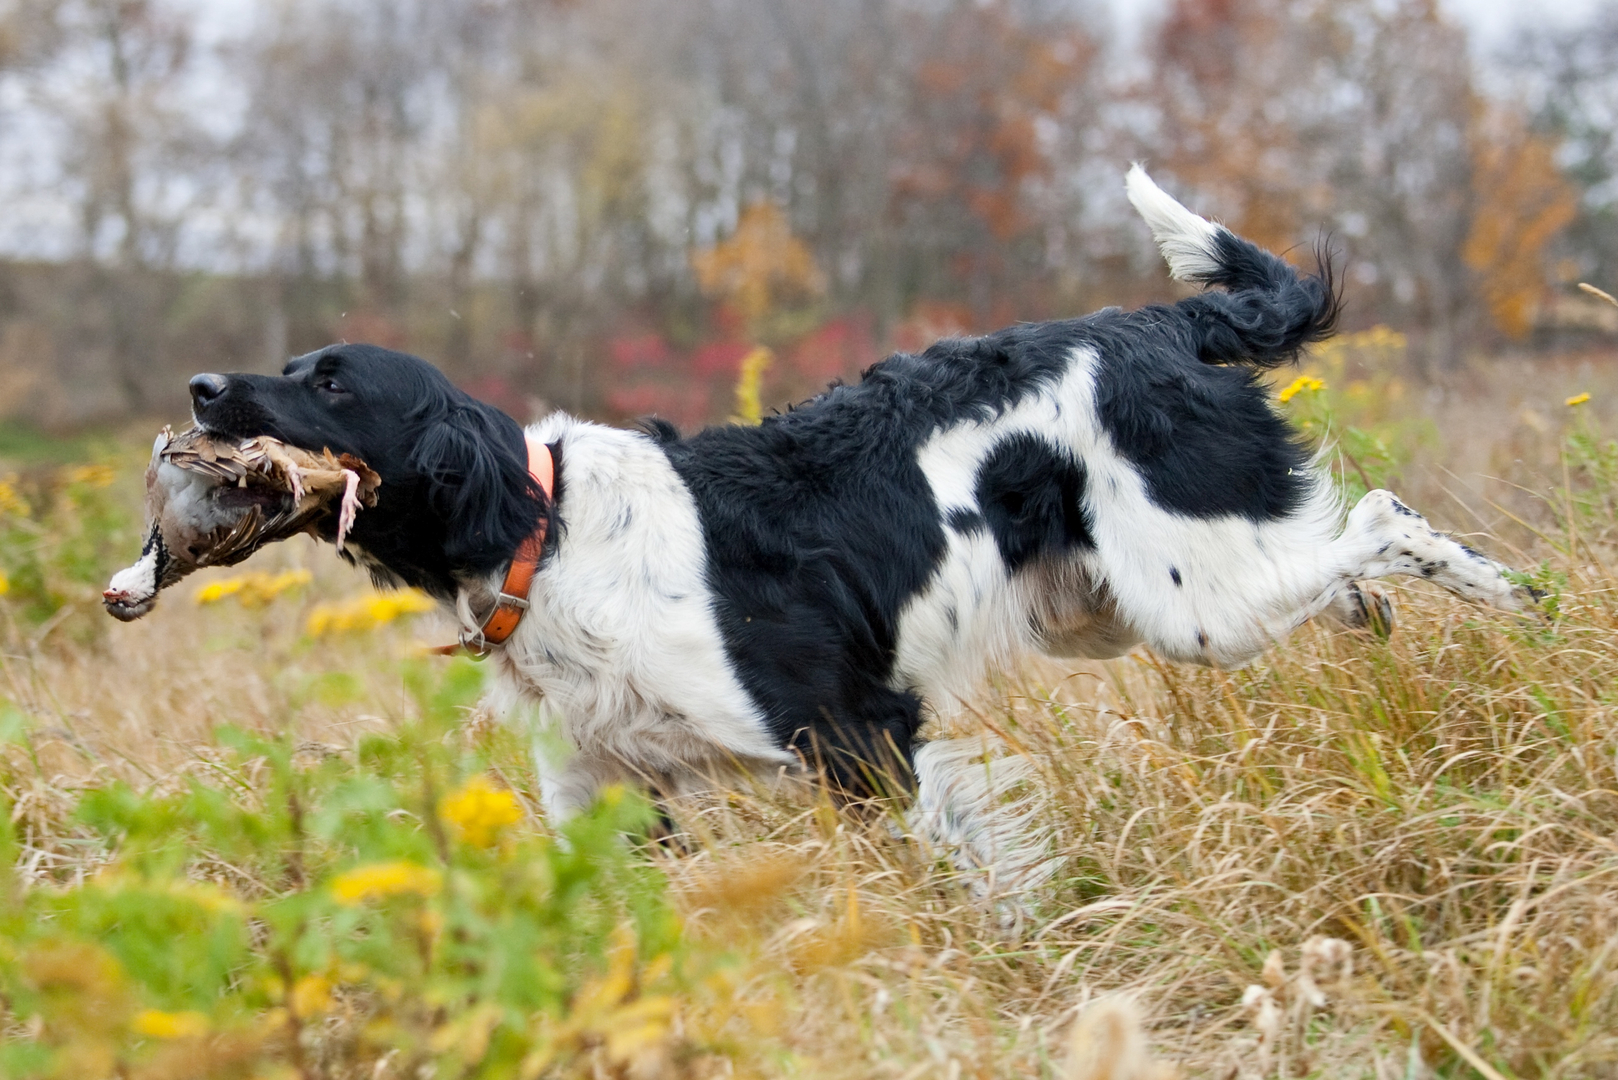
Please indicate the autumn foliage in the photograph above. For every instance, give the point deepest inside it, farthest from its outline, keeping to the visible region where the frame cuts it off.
(529, 192)
(760, 267)
(1522, 201)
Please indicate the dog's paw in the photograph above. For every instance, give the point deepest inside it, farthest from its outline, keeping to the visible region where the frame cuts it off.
(1365, 606)
(1376, 605)
(1534, 592)
(1526, 597)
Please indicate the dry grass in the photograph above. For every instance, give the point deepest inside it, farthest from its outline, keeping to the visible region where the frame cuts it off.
(1354, 858)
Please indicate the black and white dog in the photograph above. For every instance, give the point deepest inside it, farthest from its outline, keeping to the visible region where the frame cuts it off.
(805, 592)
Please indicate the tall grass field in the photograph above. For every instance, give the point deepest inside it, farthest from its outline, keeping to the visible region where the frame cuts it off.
(258, 834)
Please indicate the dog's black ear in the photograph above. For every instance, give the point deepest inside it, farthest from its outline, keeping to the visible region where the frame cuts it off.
(474, 462)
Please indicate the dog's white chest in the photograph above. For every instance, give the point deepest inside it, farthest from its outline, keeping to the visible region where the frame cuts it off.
(621, 637)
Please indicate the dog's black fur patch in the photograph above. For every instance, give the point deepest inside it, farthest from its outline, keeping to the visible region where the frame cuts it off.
(1205, 437)
(1032, 496)
(819, 526)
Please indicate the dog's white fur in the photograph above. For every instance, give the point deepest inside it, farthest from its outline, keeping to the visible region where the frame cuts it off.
(1185, 239)
(620, 640)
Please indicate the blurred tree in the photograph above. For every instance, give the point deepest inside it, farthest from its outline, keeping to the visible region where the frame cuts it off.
(760, 268)
(132, 157)
(30, 32)
(332, 148)
(567, 150)
(1522, 203)
(1571, 76)
(991, 89)
(515, 188)
(1354, 113)
(1233, 119)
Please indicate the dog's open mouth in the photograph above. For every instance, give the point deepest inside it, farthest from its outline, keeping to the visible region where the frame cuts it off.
(213, 501)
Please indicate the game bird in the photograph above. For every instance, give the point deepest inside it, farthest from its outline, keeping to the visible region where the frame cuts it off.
(213, 501)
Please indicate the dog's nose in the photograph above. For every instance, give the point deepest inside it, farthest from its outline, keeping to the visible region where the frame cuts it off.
(206, 387)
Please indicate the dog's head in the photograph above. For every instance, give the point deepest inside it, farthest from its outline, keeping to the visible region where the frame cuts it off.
(456, 496)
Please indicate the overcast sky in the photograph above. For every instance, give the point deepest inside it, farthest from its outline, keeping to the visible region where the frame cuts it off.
(1491, 19)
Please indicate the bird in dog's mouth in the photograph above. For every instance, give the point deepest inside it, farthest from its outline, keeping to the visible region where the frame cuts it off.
(214, 501)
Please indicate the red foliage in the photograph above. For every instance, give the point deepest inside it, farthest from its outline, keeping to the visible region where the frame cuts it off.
(836, 349)
(687, 404)
(718, 358)
(500, 392)
(693, 386)
(928, 321)
(639, 352)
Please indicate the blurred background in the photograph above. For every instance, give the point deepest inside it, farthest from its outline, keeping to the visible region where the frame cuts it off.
(606, 206)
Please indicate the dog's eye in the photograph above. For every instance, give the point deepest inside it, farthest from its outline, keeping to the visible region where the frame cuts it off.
(329, 385)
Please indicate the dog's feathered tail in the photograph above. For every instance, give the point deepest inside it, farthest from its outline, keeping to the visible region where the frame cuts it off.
(1268, 312)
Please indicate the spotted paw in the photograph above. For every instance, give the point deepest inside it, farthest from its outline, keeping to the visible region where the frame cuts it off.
(1365, 605)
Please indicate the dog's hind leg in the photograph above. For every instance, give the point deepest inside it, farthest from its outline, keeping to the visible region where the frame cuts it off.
(1384, 538)
(1221, 593)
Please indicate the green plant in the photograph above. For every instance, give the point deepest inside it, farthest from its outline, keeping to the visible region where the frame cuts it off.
(1350, 407)
(62, 533)
(392, 903)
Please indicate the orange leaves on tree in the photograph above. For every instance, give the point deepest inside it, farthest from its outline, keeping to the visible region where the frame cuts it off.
(1521, 201)
(761, 266)
(989, 91)
(1222, 85)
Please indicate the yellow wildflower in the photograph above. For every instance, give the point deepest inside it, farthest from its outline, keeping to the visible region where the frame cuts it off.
(749, 409)
(257, 589)
(638, 1027)
(215, 591)
(1378, 337)
(210, 898)
(1578, 399)
(616, 1009)
(366, 612)
(431, 923)
(157, 1024)
(99, 476)
(479, 811)
(311, 995)
(1299, 385)
(10, 501)
(378, 880)
(5, 583)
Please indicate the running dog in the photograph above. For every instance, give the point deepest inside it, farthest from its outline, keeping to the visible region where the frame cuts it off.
(803, 594)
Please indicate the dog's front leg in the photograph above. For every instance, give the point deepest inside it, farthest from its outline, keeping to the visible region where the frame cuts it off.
(569, 778)
(1360, 605)
(566, 790)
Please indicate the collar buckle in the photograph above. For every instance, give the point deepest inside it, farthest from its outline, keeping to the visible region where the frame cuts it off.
(511, 602)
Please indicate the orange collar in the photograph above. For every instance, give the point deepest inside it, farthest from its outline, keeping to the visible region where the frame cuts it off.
(513, 599)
